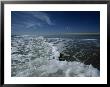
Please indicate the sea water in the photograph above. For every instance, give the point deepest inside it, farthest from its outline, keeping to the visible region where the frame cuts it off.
(55, 56)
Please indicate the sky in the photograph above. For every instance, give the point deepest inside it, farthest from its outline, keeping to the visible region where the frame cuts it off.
(54, 22)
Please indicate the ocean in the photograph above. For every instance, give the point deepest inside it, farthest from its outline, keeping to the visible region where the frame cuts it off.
(55, 56)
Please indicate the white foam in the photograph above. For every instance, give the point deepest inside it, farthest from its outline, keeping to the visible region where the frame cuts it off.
(89, 39)
(42, 60)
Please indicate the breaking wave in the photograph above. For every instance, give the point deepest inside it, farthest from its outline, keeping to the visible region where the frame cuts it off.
(37, 57)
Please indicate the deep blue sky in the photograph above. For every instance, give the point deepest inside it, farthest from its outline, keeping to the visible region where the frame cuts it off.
(45, 22)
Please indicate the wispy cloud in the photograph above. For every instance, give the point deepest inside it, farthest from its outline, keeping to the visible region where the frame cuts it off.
(42, 16)
(30, 25)
(30, 21)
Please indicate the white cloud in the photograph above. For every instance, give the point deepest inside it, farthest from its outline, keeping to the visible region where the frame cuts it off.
(29, 25)
(42, 16)
(32, 20)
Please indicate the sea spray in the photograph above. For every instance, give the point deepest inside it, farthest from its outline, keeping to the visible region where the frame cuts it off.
(36, 57)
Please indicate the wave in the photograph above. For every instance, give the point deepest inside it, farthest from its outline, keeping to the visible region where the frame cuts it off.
(89, 39)
(36, 57)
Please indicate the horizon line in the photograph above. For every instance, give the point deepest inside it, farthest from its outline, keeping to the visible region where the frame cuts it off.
(83, 33)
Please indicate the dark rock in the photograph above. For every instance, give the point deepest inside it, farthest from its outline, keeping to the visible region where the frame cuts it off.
(95, 61)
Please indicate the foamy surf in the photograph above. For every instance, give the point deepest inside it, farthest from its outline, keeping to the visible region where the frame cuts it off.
(36, 57)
